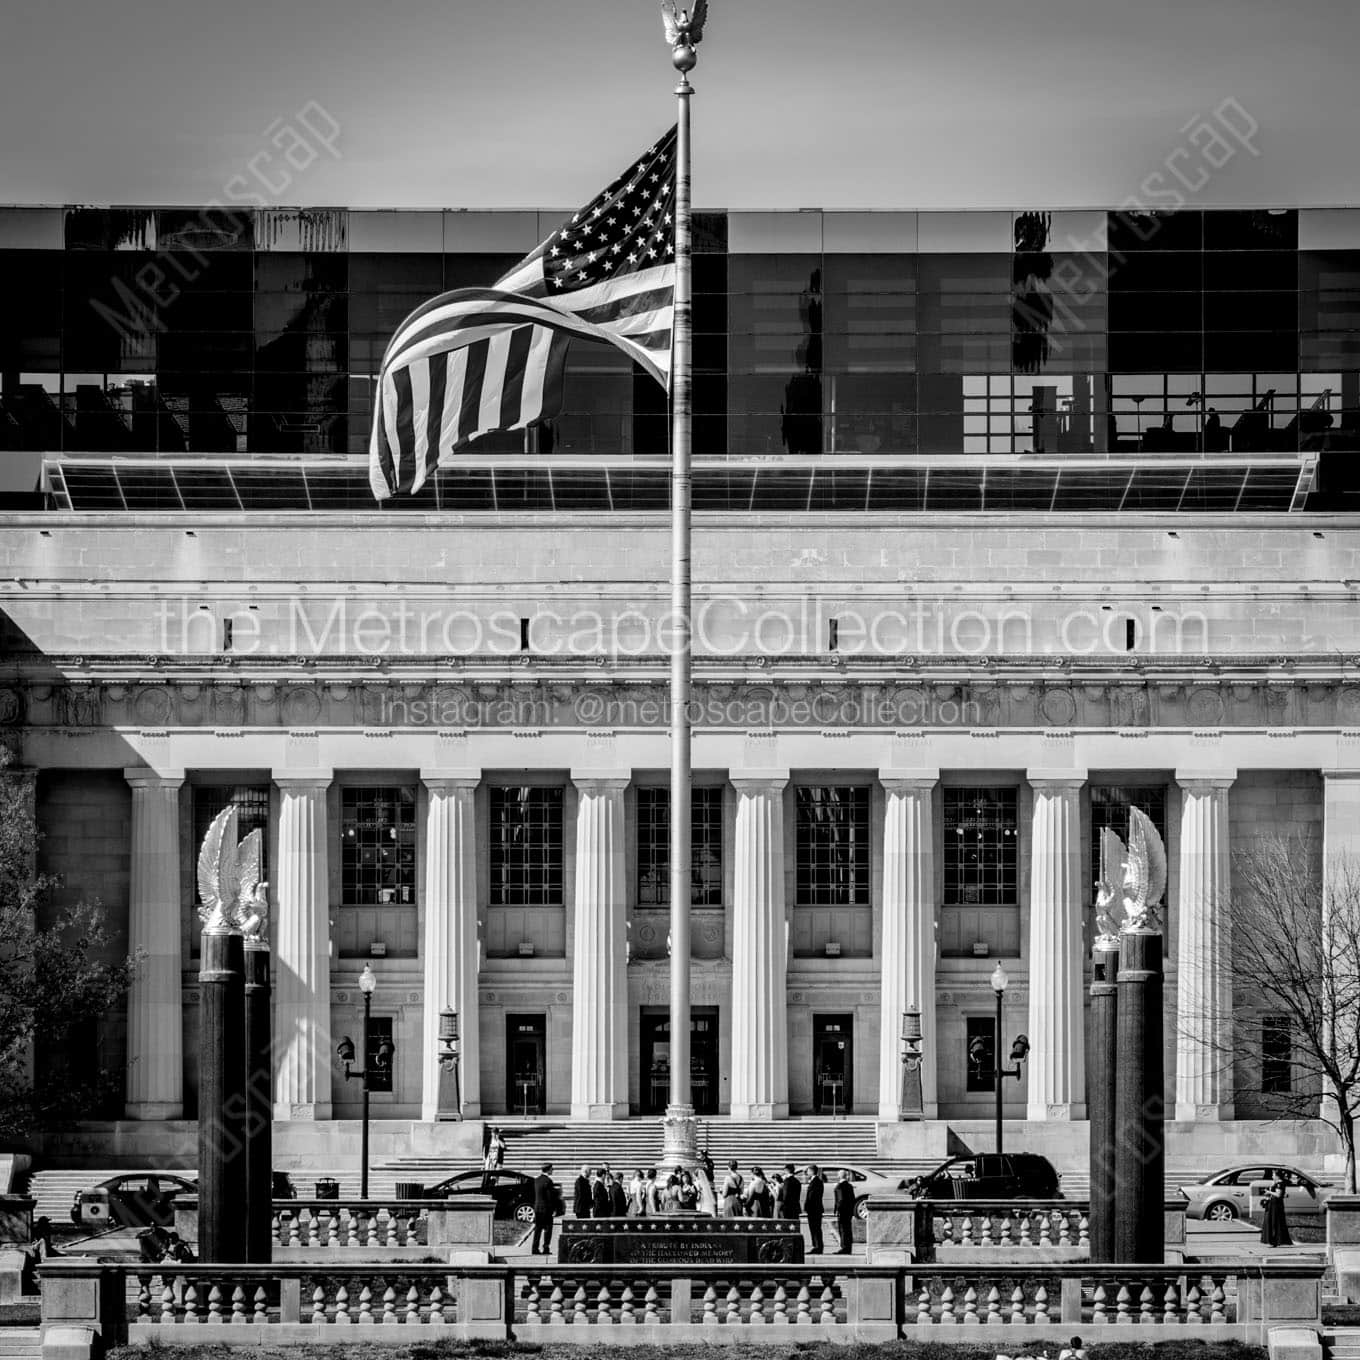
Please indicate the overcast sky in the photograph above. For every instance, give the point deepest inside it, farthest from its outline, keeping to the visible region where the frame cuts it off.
(838, 104)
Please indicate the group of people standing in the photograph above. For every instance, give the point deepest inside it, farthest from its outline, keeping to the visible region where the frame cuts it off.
(787, 1197)
(604, 1193)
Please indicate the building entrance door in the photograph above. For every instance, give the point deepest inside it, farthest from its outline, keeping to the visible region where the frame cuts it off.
(655, 1054)
(526, 1047)
(833, 1051)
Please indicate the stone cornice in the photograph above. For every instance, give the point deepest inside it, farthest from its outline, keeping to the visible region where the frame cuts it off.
(903, 703)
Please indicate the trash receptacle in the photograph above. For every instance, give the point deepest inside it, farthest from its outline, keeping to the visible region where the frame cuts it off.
(328, 1188)
(410, 1190)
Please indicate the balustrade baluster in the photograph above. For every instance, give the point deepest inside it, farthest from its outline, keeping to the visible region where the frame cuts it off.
(1041, 1304)
(1083, 1231)
(947, 1305)
(733, 1306)
(651, 1306)
(1218, 1307)
(313, 1228)
(1171, 1305)
(757, 1313)
(1064, 1230)
(342, 1304)
(923, 1317)
(626, 1306)
(1193, 1303)
(532, 1316)
(437, 1304)
(1017, 1305)
(604, 1311)
(167, 1301)
(1045, 1229)
(578, 1306)
(238, 1305)
(365, 1304)
(828, 1316)
(970, 1313)
(1121, 1305)
(295, 1229)
(1025, 1239)
(143, 1298)
(1145, 1314)
(413, 1304)
(781, 1305)
(985, 1223)
(944, 1227)
(1098, 1311)
(1007, 1223)
(966, 1224)
(318, 1304)
(190, 1303)
(214, 1304)
(804, 1315)
(261, 1305)
(555, 1302)
(389, 1304)
(994, 1305)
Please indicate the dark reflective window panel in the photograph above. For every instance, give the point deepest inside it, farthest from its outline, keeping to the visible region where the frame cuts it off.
(1130, 232)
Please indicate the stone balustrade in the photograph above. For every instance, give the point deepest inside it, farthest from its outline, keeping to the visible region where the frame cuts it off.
(313, 1302)
(320, 1223)
(1008, 1224)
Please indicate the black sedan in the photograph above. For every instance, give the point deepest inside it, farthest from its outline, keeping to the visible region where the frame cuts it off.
(143, 1199)
(513, 1191)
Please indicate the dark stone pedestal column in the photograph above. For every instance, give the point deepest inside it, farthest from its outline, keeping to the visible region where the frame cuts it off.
(259, 1092)
(221, 1100)
(1100, 1096)
(1140, 1147)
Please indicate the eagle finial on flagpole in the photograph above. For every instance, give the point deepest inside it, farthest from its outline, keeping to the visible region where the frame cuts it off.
(684, 29)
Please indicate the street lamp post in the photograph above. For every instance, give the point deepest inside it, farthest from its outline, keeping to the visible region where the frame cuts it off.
(910, 1106)
(1019, 1049)
(382, 1062)
(448, 1053)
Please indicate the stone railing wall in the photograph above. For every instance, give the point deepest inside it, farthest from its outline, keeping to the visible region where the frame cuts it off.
(301, 1302)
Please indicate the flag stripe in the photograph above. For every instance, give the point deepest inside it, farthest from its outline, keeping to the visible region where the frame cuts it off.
(468, 424)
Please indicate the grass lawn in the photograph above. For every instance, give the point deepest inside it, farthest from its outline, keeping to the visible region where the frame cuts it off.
(896, 1350)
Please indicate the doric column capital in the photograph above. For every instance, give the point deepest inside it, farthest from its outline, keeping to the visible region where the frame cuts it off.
(601, 781)
(1055, 779)
(449, 781)
(908, 781)
(1205, 781)
(306, 779)
(760, 781)
(144, 777)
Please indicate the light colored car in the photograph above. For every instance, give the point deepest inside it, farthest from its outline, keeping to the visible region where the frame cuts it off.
(865, 1182)
(1226, 1195)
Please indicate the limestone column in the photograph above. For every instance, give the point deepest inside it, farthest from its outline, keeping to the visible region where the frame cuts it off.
(302, 947)
(155, 1044)
(760, 1062)
(1204, 1076)
(1057, 1066)
(599, 1010)
(450, 947)
(908, 950)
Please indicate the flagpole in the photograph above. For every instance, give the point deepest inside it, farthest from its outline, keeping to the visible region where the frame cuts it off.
(680, 1139)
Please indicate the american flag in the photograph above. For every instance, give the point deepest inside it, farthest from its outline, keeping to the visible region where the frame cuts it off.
(482, 359)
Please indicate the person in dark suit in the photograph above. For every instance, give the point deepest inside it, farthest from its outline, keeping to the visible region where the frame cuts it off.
(618, 1198)
(580, 1194)
(816, 1184)
(844, 1202)
(790, 1193)
(599, 1195)
(545, 1208)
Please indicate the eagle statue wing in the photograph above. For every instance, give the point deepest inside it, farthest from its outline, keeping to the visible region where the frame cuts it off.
(1144, 873)
(670, 22)
(248, 858)
(217, 877)
(1108, 908)
(696, 20)
(1154, 852)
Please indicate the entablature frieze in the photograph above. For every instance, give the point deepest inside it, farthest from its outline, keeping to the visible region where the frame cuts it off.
(382, 705)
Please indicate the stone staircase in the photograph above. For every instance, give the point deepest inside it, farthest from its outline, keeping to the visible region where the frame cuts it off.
(20, 1343)
(1341, 1343)
(625, 1144)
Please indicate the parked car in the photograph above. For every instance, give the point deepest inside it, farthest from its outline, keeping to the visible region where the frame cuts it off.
(513, 1191)
(865, 1182)
(1226, 1195)
(989, 1175)
(143, 1199)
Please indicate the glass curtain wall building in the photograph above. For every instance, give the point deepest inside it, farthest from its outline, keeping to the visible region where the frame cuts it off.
(902, 361)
